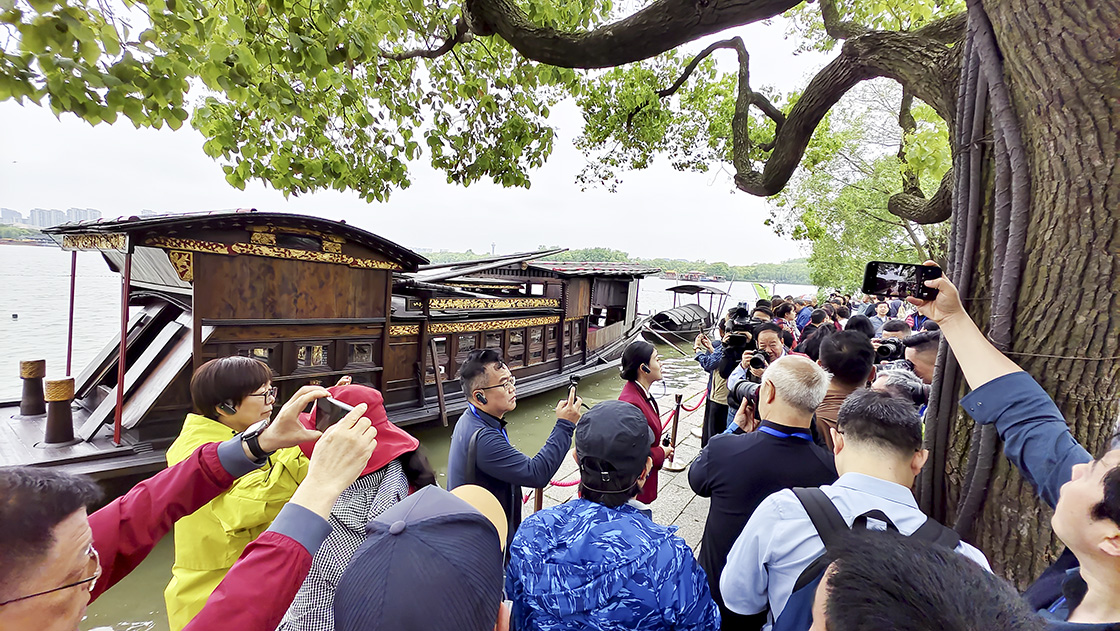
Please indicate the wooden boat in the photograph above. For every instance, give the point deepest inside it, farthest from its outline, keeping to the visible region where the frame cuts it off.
(683, 323)
(314, 299)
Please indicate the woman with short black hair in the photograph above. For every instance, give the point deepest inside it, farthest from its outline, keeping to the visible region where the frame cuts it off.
(641, 368)
(230, 394)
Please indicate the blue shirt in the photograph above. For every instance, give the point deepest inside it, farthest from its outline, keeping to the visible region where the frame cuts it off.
(779, 540)
(1037, 440)
(803, 317)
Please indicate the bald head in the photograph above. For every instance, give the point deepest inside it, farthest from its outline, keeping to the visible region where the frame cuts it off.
(797, 381)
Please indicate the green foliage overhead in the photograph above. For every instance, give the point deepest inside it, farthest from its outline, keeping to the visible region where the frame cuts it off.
(303, 94)
(839, 204)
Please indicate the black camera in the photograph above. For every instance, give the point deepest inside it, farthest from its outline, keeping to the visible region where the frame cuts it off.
(760, 360)
(890, 349)
(743, 390)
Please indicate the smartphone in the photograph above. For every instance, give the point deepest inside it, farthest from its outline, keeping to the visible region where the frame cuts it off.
(899, 280)
(328, 411)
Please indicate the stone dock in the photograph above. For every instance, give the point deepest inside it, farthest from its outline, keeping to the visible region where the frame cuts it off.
(676, 504)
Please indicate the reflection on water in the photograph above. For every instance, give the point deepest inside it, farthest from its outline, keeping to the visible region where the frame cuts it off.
(34, 283)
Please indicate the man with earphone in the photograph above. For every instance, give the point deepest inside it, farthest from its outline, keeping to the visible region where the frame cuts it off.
(480, 451)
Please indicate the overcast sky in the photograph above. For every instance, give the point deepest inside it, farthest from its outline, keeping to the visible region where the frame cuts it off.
(659, 212)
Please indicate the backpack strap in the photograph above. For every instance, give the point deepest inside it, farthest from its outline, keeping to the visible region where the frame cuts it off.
(830, 526)
(876, 514)
(933, 532)
(470, 476)
(826, 519)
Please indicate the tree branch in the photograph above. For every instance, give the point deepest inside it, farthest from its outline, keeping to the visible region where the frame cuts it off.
(925, 211)
(661, 26)
(744, 99)
(836, 28)
(947, 30)
(910, 182)
(925, 67)
(461, 35)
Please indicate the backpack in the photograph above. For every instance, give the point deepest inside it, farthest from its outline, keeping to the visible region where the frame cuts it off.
(798, 612)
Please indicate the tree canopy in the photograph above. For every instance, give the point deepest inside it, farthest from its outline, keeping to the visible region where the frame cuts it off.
(344, 94)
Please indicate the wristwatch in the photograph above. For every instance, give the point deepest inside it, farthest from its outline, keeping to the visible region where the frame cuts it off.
(251, 438)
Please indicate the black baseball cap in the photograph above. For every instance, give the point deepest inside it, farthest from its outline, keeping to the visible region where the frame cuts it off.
(613, 441)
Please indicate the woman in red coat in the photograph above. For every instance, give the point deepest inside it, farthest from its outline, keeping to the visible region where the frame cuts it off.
(641, 367)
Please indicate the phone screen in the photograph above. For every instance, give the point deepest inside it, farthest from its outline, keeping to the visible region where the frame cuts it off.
(328, 411)
(882, 278)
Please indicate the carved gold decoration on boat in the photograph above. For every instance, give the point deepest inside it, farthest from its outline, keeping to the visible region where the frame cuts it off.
(183, 262)
(98, 241)
(489, 325)
(263, 238)
(401, 330)
(270, 251)
(493, 303)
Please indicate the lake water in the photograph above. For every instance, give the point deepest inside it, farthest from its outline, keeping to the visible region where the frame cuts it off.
(35, 285)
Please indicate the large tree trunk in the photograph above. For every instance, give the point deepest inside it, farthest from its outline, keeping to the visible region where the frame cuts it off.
(1062, 67)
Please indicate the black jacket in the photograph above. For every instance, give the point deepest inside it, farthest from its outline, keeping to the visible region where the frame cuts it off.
(738, 471)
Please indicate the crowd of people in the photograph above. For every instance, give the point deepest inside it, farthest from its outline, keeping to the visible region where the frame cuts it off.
(812, 438)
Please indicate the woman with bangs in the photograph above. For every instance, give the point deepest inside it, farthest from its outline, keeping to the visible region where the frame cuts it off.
(230, 394)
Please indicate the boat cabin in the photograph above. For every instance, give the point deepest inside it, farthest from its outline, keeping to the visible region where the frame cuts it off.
(315, 300)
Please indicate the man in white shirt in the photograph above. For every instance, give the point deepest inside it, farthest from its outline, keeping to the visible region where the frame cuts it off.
(878, 447)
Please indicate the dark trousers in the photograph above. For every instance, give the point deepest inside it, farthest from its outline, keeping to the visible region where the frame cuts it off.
(715, 421)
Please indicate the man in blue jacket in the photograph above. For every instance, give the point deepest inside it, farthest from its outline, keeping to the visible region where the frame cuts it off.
(493, 463)
(1082, 591)
(598, 562)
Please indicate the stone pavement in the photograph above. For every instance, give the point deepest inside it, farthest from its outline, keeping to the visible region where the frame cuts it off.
(676, 504)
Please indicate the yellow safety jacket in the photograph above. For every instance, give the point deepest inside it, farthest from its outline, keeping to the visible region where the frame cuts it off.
(210, 540)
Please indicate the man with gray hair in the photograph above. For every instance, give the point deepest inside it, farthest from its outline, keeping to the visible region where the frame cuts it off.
(738, 471)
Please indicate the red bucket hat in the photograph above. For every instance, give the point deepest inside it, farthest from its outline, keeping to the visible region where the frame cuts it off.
(392, 441)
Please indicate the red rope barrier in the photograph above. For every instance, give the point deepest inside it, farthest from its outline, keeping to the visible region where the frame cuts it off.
(703, 395)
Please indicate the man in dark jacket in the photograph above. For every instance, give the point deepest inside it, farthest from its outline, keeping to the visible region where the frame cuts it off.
(494, 463)
(739, 471)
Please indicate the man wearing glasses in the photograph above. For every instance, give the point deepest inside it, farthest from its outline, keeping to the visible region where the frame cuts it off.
(480, 449)
(54, 559)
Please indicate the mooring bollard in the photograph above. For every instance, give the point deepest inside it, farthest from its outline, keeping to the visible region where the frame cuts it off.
(32, 373)
(60, 420)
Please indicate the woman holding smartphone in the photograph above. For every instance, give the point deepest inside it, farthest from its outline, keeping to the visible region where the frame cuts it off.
(230, 395)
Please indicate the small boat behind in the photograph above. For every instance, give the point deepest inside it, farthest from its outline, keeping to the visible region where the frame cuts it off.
(683, 323)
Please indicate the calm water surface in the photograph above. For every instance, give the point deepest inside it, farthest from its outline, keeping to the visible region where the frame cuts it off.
(35, 284)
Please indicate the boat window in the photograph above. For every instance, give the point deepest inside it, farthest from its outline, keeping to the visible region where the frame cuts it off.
(467, 342)
(266, 354)
(441, 359)
(494, 340)
(552, 331)
(516, 348)
(313, 355)
(298, 242)
(536, 290)
(536, 345)
(361, 353)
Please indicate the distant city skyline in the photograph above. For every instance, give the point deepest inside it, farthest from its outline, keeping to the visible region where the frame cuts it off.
(47, 217)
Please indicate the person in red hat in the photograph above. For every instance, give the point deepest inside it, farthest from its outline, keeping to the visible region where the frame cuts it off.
(397, 467)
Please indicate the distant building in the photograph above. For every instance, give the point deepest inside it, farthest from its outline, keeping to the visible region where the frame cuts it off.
(10, 217)
(82, 214)
(46, 217)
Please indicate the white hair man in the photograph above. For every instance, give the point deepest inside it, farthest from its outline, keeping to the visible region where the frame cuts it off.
(738, 471)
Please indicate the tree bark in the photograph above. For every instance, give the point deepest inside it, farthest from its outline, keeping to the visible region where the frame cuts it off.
(1062, 68)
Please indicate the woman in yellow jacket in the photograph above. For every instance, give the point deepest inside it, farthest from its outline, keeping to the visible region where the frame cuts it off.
(229, 395)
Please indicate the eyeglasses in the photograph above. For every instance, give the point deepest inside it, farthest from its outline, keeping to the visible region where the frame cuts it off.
(508, 385)
(269, 395)
(93, 560)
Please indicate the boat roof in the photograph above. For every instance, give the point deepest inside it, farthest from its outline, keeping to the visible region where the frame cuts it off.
(587, 268)
(182, 224)
(696, 289)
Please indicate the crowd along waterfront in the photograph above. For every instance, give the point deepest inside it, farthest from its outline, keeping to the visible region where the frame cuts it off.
(35, 283)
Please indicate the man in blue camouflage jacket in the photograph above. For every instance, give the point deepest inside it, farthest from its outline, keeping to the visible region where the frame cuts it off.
(599, 562)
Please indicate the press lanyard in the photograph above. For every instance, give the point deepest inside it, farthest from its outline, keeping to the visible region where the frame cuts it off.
(779, 434)
(479, 417)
